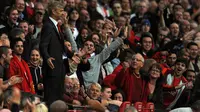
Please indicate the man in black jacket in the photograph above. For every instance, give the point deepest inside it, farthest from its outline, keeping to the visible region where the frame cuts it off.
(52, 50)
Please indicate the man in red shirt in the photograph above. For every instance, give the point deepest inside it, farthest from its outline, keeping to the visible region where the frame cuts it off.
(19, 67)
(175, 84)
(131, 81)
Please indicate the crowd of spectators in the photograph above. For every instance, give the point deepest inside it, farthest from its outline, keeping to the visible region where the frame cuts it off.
(60, 55)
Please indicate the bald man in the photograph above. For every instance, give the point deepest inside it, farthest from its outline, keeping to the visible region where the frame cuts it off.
(131, 82)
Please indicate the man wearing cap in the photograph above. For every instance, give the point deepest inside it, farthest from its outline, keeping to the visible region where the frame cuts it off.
(145, 27)
(38, 23)
(139, 16)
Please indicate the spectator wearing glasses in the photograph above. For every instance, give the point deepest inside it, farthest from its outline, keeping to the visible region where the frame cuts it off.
(154, 86)
(146, 48)
(76, 96)
(131, 81)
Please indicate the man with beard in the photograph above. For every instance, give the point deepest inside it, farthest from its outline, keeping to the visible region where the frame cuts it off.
(5, 57)
(85, 18)
(18, 67)
(194, 61)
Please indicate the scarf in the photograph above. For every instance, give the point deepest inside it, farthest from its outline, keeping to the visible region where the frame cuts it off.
(170, 81)
(23, 71)
(37, 71)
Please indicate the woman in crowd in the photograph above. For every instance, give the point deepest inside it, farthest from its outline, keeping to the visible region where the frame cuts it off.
(154, 84)
(118, 95)
(73, 17)
(36, 71)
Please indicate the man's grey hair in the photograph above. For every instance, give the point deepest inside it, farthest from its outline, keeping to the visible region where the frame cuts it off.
(95, 84)
(54, 5)
(142, 58)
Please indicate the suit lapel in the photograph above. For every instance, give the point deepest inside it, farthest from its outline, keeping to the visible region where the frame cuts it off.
(60, 36)
(55, 29)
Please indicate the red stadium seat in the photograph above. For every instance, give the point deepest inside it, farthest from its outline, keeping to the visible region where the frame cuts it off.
(123, 106)
(144, 107)
(139, 106)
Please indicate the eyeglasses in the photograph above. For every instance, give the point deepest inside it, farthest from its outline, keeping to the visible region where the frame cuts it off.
(155, 70)
(135, 59)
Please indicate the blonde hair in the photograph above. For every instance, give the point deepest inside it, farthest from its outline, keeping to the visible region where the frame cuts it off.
(41, 108)
(95, 84)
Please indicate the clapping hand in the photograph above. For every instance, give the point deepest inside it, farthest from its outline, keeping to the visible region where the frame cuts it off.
(125, 33)
(189, 35)
(117, 32)
(15, 79)
(111, 23)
